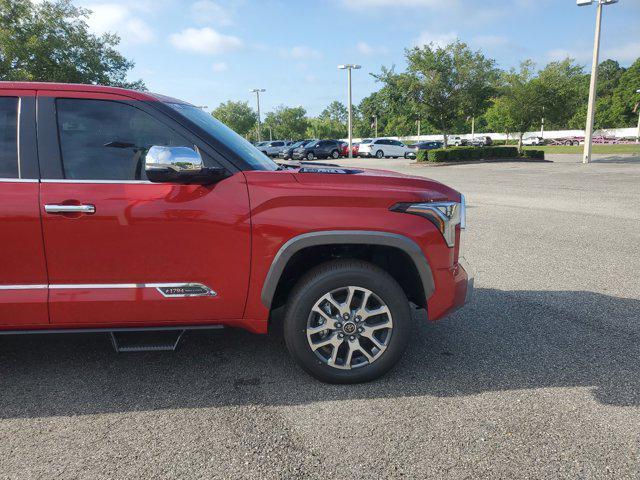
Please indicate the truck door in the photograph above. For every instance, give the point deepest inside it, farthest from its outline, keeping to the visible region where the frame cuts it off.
(124, 251)
(23, 274)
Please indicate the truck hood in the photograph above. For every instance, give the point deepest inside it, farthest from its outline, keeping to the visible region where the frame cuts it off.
(377, 182)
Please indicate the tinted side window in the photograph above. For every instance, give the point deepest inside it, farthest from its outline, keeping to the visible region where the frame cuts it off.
(8, 137)
(277, 144)
(107, 140)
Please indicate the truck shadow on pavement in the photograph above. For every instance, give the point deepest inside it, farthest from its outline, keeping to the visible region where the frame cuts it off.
(502, 341)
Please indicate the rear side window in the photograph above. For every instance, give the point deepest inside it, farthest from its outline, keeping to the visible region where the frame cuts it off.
(107, 140)
(9, 137)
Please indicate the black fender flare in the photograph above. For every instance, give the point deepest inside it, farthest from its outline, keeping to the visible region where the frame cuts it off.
(346, 237)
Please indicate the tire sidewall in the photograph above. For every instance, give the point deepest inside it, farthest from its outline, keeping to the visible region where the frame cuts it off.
(302, 302)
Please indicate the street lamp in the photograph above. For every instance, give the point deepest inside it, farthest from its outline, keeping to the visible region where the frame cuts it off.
(348, 67)
(638, 109)
(591, 109)
(257, 91)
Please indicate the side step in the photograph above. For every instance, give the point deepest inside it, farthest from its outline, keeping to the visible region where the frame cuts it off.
(161, 341)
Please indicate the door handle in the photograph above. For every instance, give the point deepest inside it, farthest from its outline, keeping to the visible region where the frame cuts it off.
(88, 209)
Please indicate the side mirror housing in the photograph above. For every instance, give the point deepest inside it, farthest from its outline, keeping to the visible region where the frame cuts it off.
(182, 165)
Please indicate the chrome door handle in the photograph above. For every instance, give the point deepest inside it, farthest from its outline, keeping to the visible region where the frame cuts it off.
(88, 209)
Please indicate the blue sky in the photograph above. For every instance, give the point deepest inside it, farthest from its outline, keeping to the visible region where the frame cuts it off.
(209, 51)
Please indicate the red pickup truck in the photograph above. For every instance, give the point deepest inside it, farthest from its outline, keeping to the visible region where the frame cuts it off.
(125, 211)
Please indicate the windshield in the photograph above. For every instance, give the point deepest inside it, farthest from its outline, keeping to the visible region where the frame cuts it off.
(312, 144)
(366, 140)
(225, 135)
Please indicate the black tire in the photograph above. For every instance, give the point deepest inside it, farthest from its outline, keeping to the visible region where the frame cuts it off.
(339, 274)
(379, 154)
(310, 156)
(335, 154)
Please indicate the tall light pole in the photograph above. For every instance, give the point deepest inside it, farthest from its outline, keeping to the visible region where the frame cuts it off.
(638, 109)
(591, 109)
(258, 91)
(348, 67)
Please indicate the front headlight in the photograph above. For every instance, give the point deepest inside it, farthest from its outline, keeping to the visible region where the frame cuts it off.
(446, 216)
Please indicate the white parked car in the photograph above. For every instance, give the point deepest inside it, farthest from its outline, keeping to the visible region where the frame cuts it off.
(272, 149)
(533, 140)
(383, 147)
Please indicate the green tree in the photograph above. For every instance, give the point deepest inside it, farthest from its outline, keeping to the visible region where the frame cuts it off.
(326, 128)
(625, 99)
(336, 112)
(563, 84)
(522, 99)
(238, 116)
(498, 117)
(444, 85)
(50, 42)
(287, 123)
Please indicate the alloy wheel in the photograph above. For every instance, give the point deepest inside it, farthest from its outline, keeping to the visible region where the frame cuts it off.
(349, 327)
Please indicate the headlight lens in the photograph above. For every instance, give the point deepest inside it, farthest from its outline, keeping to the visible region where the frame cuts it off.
(446, 216)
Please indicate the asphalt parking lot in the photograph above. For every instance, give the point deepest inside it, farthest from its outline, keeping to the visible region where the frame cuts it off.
(539, 377)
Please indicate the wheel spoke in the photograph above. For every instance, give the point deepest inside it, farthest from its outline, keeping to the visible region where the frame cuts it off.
(329, 322)
(347, 361)
(346, 306)
(330, 340)
(333, 303)
(364, 352)
(334, 355)
(369, 333)
(377, 311)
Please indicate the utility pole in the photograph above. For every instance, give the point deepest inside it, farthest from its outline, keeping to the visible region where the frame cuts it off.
(348, 67)
(418, 122)
(638, 110)
(591, 109)
(375, 124)
(257, 91)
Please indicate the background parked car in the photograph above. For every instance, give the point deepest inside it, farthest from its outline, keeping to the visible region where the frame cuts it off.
(287, 152)
(533, 140)
(458, 141)
(344, 149)
(318, 149)
(272, 149)
(355, 149)
(431, 145)
(383, 147)
(482, 141)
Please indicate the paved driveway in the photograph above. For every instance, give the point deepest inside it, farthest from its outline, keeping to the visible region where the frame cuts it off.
(538, 378)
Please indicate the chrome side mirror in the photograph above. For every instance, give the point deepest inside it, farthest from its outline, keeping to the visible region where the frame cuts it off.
(180, 165)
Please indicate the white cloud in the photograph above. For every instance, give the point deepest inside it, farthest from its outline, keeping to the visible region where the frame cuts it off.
(490, 41)
(220, 67)
(364, 48)
(206, 11)
(439, 39)
(301, 52)
(626, 53)
(112, 17)
(205, 41)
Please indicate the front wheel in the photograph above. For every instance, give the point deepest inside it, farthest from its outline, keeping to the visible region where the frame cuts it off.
(347, 321)
(379, 154)
(335, 154)
(310, 156)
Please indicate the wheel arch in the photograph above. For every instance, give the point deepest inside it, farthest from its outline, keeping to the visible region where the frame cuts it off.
(410, 256)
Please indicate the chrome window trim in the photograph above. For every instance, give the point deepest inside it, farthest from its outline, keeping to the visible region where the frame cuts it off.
(19, 180)
(23, 287)
(207, 292)
(124, 182)
(18, 122)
